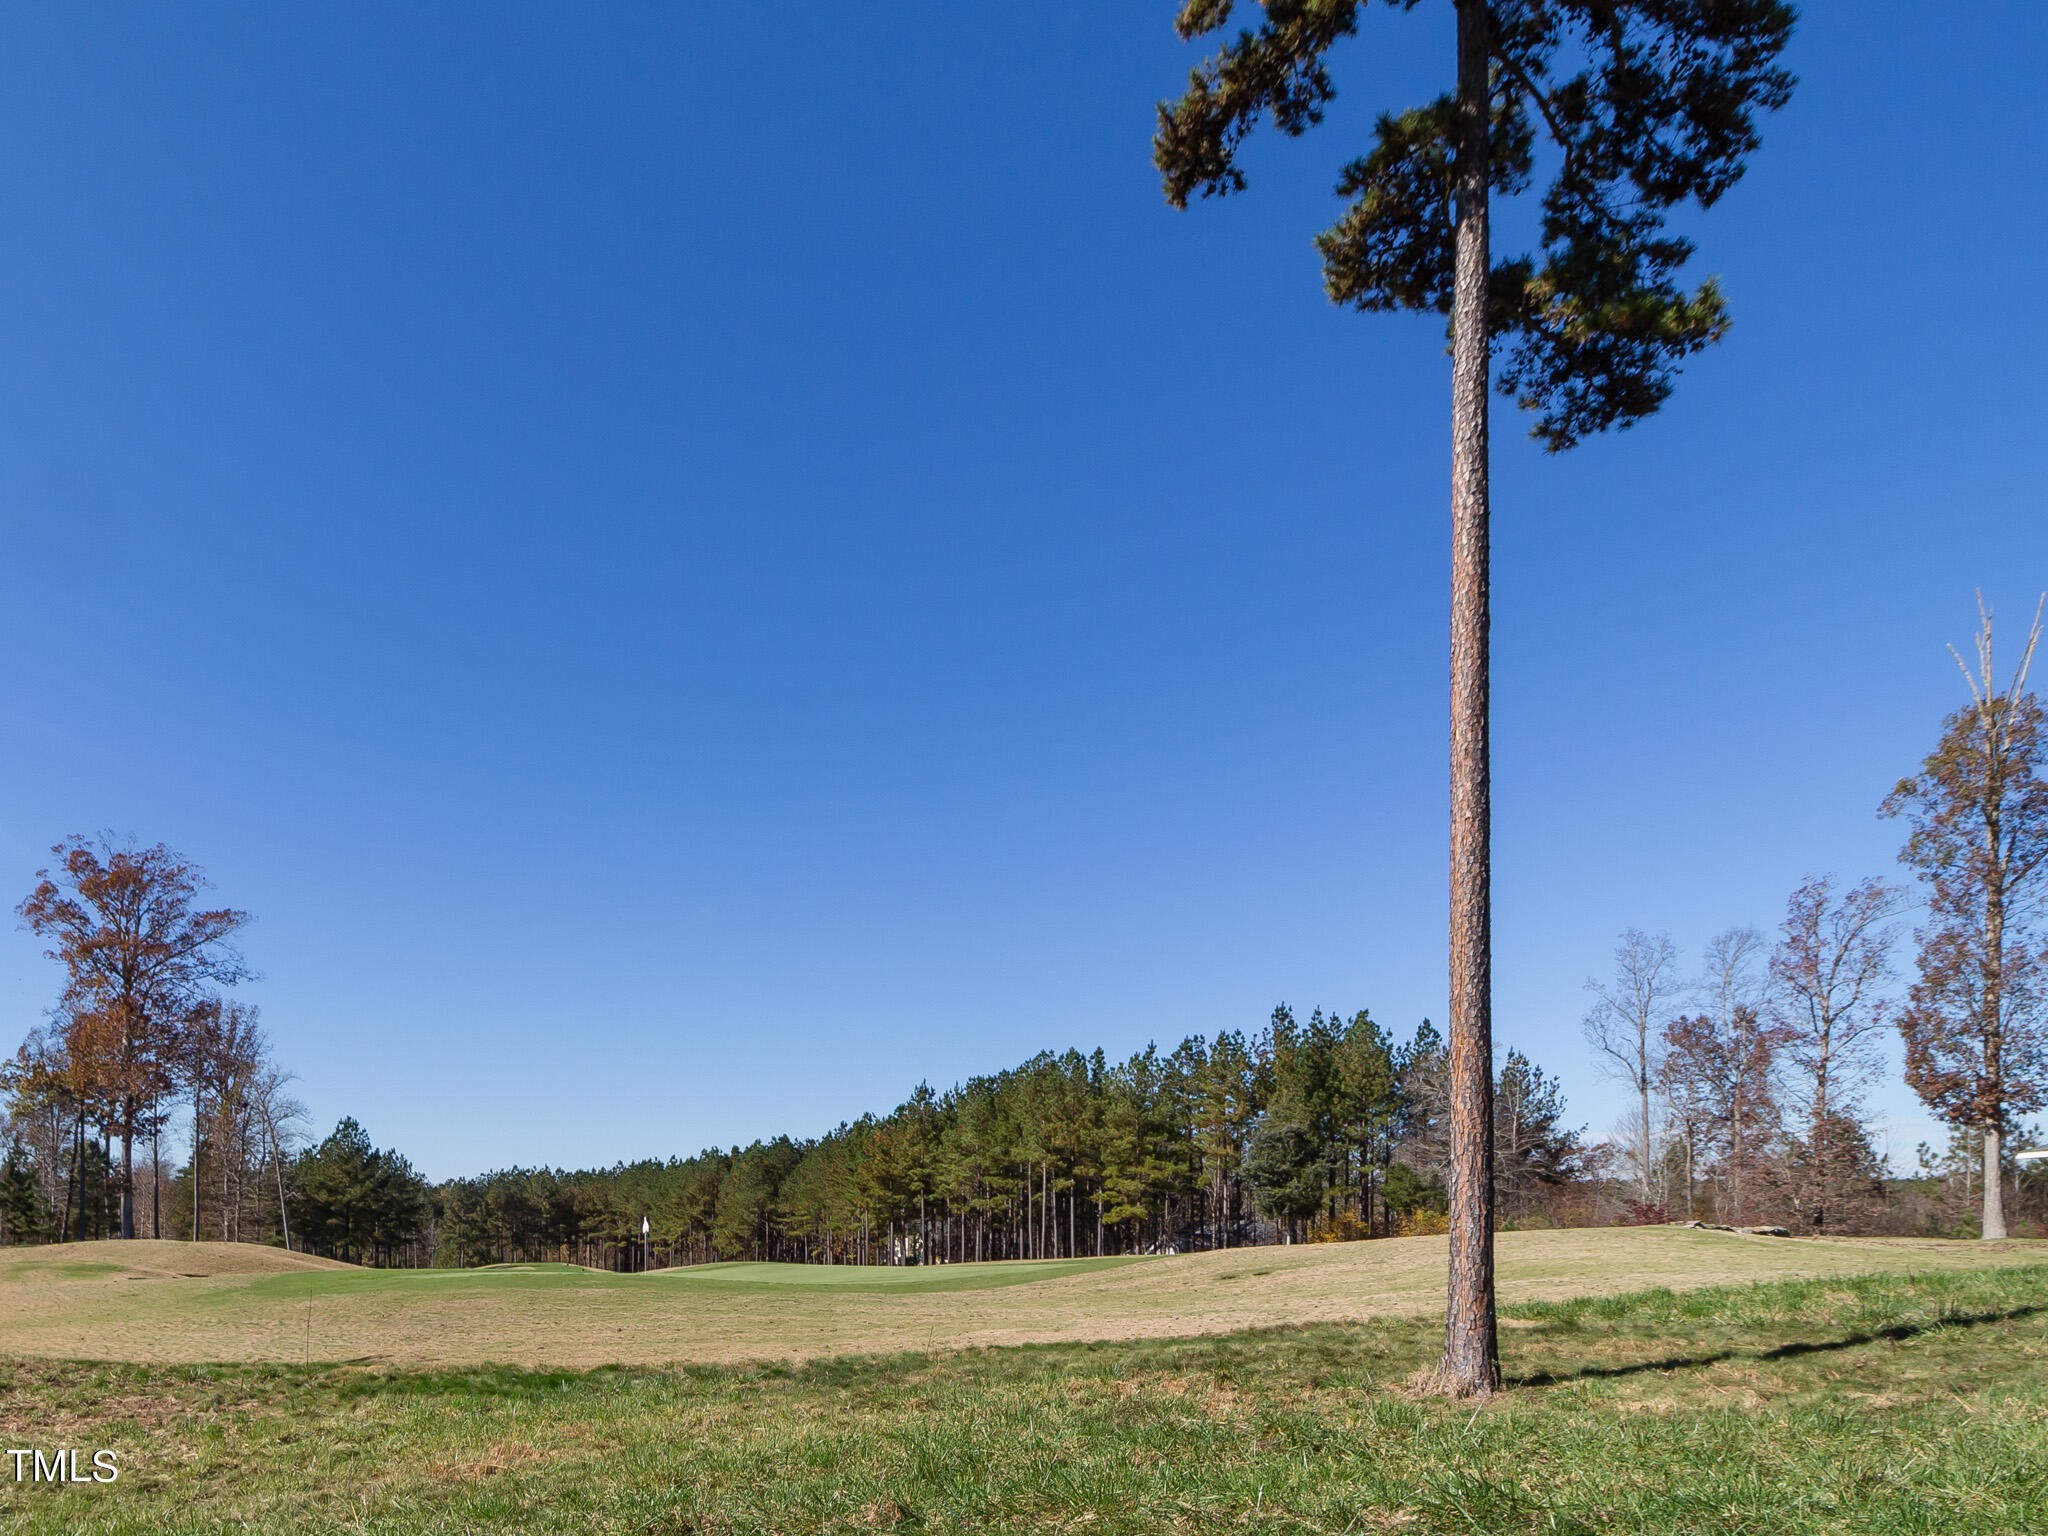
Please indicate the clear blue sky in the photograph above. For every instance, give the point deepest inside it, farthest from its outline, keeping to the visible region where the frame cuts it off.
(695, 565)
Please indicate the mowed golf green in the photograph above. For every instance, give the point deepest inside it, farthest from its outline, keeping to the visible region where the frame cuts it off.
(208, 1302)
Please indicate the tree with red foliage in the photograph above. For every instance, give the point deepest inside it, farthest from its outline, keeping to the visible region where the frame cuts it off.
(1976, 1049)
(138, 956)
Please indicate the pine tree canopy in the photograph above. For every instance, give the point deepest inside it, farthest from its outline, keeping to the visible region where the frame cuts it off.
(1645, 105)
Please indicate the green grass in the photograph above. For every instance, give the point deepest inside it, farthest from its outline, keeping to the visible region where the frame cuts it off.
(497, 1279)
(1874, 1405)
(58, 1268)
(879, 1280)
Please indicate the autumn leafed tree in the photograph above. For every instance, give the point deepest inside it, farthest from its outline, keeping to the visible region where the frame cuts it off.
(1728, 1058)
(1722, 1069)
(138, 953)
(1832, 959)
(1641, 106)
(1976, 1048)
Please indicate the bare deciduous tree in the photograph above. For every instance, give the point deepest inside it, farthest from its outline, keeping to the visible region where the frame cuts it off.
(1731, 1050)
(1734, 973)
(1624, 1023)
(277, 1118)
(223, 1064)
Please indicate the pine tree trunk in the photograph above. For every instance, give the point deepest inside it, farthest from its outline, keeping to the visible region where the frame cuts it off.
(1471, 1363)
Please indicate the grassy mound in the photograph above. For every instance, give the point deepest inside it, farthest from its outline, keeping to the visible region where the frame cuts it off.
(154, 1258)
(285, 1308)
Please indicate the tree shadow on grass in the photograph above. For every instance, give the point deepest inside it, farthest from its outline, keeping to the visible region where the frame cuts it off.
(1896, 1334)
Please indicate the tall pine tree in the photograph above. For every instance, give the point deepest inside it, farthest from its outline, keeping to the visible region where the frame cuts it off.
(1646, 105)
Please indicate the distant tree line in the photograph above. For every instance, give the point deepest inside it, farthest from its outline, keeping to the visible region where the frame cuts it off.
(148, 1103)
(1323, 1127)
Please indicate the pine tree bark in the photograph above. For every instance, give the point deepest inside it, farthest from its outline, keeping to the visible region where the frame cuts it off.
(1471, 1362)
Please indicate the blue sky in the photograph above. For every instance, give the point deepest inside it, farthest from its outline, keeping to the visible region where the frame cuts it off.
(695, 565)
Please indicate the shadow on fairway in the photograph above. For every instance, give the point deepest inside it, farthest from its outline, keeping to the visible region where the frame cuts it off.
(1896, 1334)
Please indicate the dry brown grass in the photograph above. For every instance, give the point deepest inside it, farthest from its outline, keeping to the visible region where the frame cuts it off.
(154, 1259)
(260, 1305)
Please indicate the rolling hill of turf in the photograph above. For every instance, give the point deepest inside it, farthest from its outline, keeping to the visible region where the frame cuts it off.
(176, 1302)
(146, 1258)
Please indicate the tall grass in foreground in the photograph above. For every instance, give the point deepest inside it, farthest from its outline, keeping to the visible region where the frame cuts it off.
(1870, 1405)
